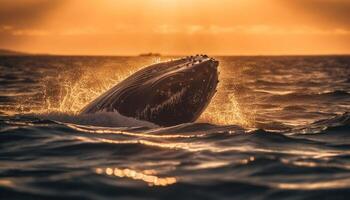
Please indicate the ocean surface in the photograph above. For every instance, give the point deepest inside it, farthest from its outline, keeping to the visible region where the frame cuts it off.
(278, 128)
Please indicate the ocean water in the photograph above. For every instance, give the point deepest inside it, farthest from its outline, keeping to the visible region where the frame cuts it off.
(278, 128)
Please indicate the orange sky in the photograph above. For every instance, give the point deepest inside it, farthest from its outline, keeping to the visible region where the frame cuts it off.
(220, 27)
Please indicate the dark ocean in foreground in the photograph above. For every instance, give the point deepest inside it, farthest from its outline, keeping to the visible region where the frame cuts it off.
(278, 128)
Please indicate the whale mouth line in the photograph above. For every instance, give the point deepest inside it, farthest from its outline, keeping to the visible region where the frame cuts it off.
(166, 93)
(169, 102)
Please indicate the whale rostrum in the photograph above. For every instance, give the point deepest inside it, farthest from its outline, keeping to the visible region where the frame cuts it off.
(166, 93)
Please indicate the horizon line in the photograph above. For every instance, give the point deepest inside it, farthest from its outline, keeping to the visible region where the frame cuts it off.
(22, 53)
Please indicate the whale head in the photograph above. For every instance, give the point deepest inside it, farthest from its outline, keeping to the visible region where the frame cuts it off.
(167, 93)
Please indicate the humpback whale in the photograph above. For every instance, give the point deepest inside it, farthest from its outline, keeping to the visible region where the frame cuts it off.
(166, 93)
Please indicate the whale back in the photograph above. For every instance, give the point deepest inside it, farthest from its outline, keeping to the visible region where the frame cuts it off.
(166, 93)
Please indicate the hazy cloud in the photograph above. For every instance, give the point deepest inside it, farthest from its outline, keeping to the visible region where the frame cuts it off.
(25, 13)
(330, 12)
(257, 29)
(71, 26)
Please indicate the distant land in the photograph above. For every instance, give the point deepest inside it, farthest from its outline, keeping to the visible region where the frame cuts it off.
(7, 52)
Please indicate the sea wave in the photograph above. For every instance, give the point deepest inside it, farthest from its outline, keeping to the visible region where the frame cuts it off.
(106, 119)
(296, 144)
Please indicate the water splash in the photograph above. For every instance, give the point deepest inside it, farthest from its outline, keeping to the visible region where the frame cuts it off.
(225, 110)
(225, 107)
(72, 89)
(75, 87)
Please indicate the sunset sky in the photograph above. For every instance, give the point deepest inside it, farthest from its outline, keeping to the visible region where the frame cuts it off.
(216, 27)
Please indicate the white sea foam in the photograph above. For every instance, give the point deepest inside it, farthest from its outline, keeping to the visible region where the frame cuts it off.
(107, 119)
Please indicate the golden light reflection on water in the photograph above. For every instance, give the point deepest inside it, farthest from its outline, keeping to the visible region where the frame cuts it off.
(6, 183)
(121, 132)
(317, 185)
(147, 176)
(197, 147)
(312, 164)
(173, 145)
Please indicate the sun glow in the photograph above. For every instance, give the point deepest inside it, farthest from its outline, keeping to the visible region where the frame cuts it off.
(222, 27)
